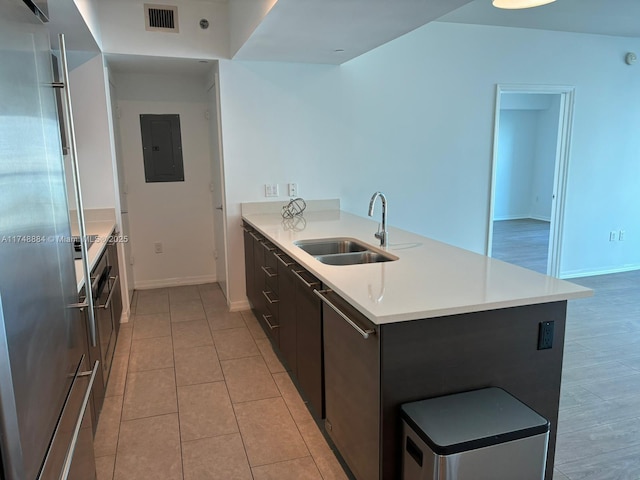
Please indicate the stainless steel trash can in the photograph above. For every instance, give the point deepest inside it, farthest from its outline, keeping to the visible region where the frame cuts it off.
(480, 435)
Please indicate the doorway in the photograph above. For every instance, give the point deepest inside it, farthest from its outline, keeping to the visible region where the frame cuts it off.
(217, 184)
(532, 135)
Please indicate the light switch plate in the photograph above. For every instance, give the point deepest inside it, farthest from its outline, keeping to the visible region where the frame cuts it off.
(271, 190)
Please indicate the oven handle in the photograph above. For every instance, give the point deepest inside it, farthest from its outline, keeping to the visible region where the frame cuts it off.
(102, 284)
(107, 304)
(76, 431)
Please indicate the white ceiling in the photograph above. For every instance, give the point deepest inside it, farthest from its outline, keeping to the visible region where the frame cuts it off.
(311, 31)
(604, 17)
(158, 65)
(334, 31)
(64, 17)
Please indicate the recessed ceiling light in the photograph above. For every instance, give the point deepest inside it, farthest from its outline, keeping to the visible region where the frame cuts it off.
(518, 4)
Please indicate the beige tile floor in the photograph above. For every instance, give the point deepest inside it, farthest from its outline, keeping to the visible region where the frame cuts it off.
(197, 393)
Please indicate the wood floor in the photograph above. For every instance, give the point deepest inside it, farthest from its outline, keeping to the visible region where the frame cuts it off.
(523, 242)
(599, 424)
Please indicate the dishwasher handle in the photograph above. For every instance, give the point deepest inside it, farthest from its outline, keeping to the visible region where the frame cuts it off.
(364, 332)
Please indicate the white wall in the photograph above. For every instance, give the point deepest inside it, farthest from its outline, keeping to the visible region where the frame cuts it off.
(123, 30)
(414, 118)
(527, 148)
(89, 101)
(423, 117)
(178, 214)
(516, 160)
(281, 123)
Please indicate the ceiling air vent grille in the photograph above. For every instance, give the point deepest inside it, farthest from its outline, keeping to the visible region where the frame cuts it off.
(161, 18)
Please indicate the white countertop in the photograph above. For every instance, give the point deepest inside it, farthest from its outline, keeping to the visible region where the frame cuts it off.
(103, 230)
(430, 278)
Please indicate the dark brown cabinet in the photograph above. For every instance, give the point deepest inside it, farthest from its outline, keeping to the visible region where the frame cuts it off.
(281, 294)
(248, 263)
(261, 281)
(359, 374)
(288, 321)
(308, 312)
(367, 379)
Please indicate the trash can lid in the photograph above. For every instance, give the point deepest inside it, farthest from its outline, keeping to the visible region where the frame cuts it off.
(466, 421)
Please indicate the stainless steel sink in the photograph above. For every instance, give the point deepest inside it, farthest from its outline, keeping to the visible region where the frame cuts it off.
(331, 246)
(343, 251)
(354, 258)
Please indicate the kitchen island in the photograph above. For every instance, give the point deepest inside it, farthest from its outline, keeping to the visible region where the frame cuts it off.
(442, 320)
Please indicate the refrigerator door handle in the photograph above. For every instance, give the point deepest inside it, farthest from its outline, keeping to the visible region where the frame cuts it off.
(12, 458)
(76, 431)
(68, 120)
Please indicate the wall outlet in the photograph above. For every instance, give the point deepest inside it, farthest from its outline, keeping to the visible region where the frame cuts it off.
(270, 189)
(621, 234)
(157, 247)
(545, 335)
(613, 236)
(293, 189)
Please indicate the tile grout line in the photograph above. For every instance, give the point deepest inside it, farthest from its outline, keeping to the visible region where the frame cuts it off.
(306, 443)
(175, 379)
(235, 416)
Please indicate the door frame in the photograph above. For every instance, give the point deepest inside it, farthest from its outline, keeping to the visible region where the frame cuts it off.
(563, 152)
(218, 157)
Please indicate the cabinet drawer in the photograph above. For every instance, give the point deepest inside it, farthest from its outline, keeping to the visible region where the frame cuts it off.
(271, 278)
(271, 260)
(271, 301)
(271, 316)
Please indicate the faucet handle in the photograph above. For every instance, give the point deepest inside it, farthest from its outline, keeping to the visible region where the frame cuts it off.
(379, 234)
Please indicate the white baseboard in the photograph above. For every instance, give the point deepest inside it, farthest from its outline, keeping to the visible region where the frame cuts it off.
(126, 316)
(522, 217)
(174, 282)
(593, 273)
(539, 217)
(509, 217)
(239, 306)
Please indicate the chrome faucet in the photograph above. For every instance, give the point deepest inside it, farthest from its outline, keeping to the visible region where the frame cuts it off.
(382, 233)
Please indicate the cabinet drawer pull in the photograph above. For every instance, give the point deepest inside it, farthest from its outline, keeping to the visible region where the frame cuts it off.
(266, 295)
(269, 274)
(268, 247)
(307, 284)
(282, 260)
(255, 237)
(266, 319)
(365, 333)
(246, 229)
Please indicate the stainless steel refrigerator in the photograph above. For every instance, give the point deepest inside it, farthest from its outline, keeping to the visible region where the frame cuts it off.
(44, 373)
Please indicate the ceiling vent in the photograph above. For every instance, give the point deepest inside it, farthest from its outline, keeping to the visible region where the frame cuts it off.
(161, 18)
